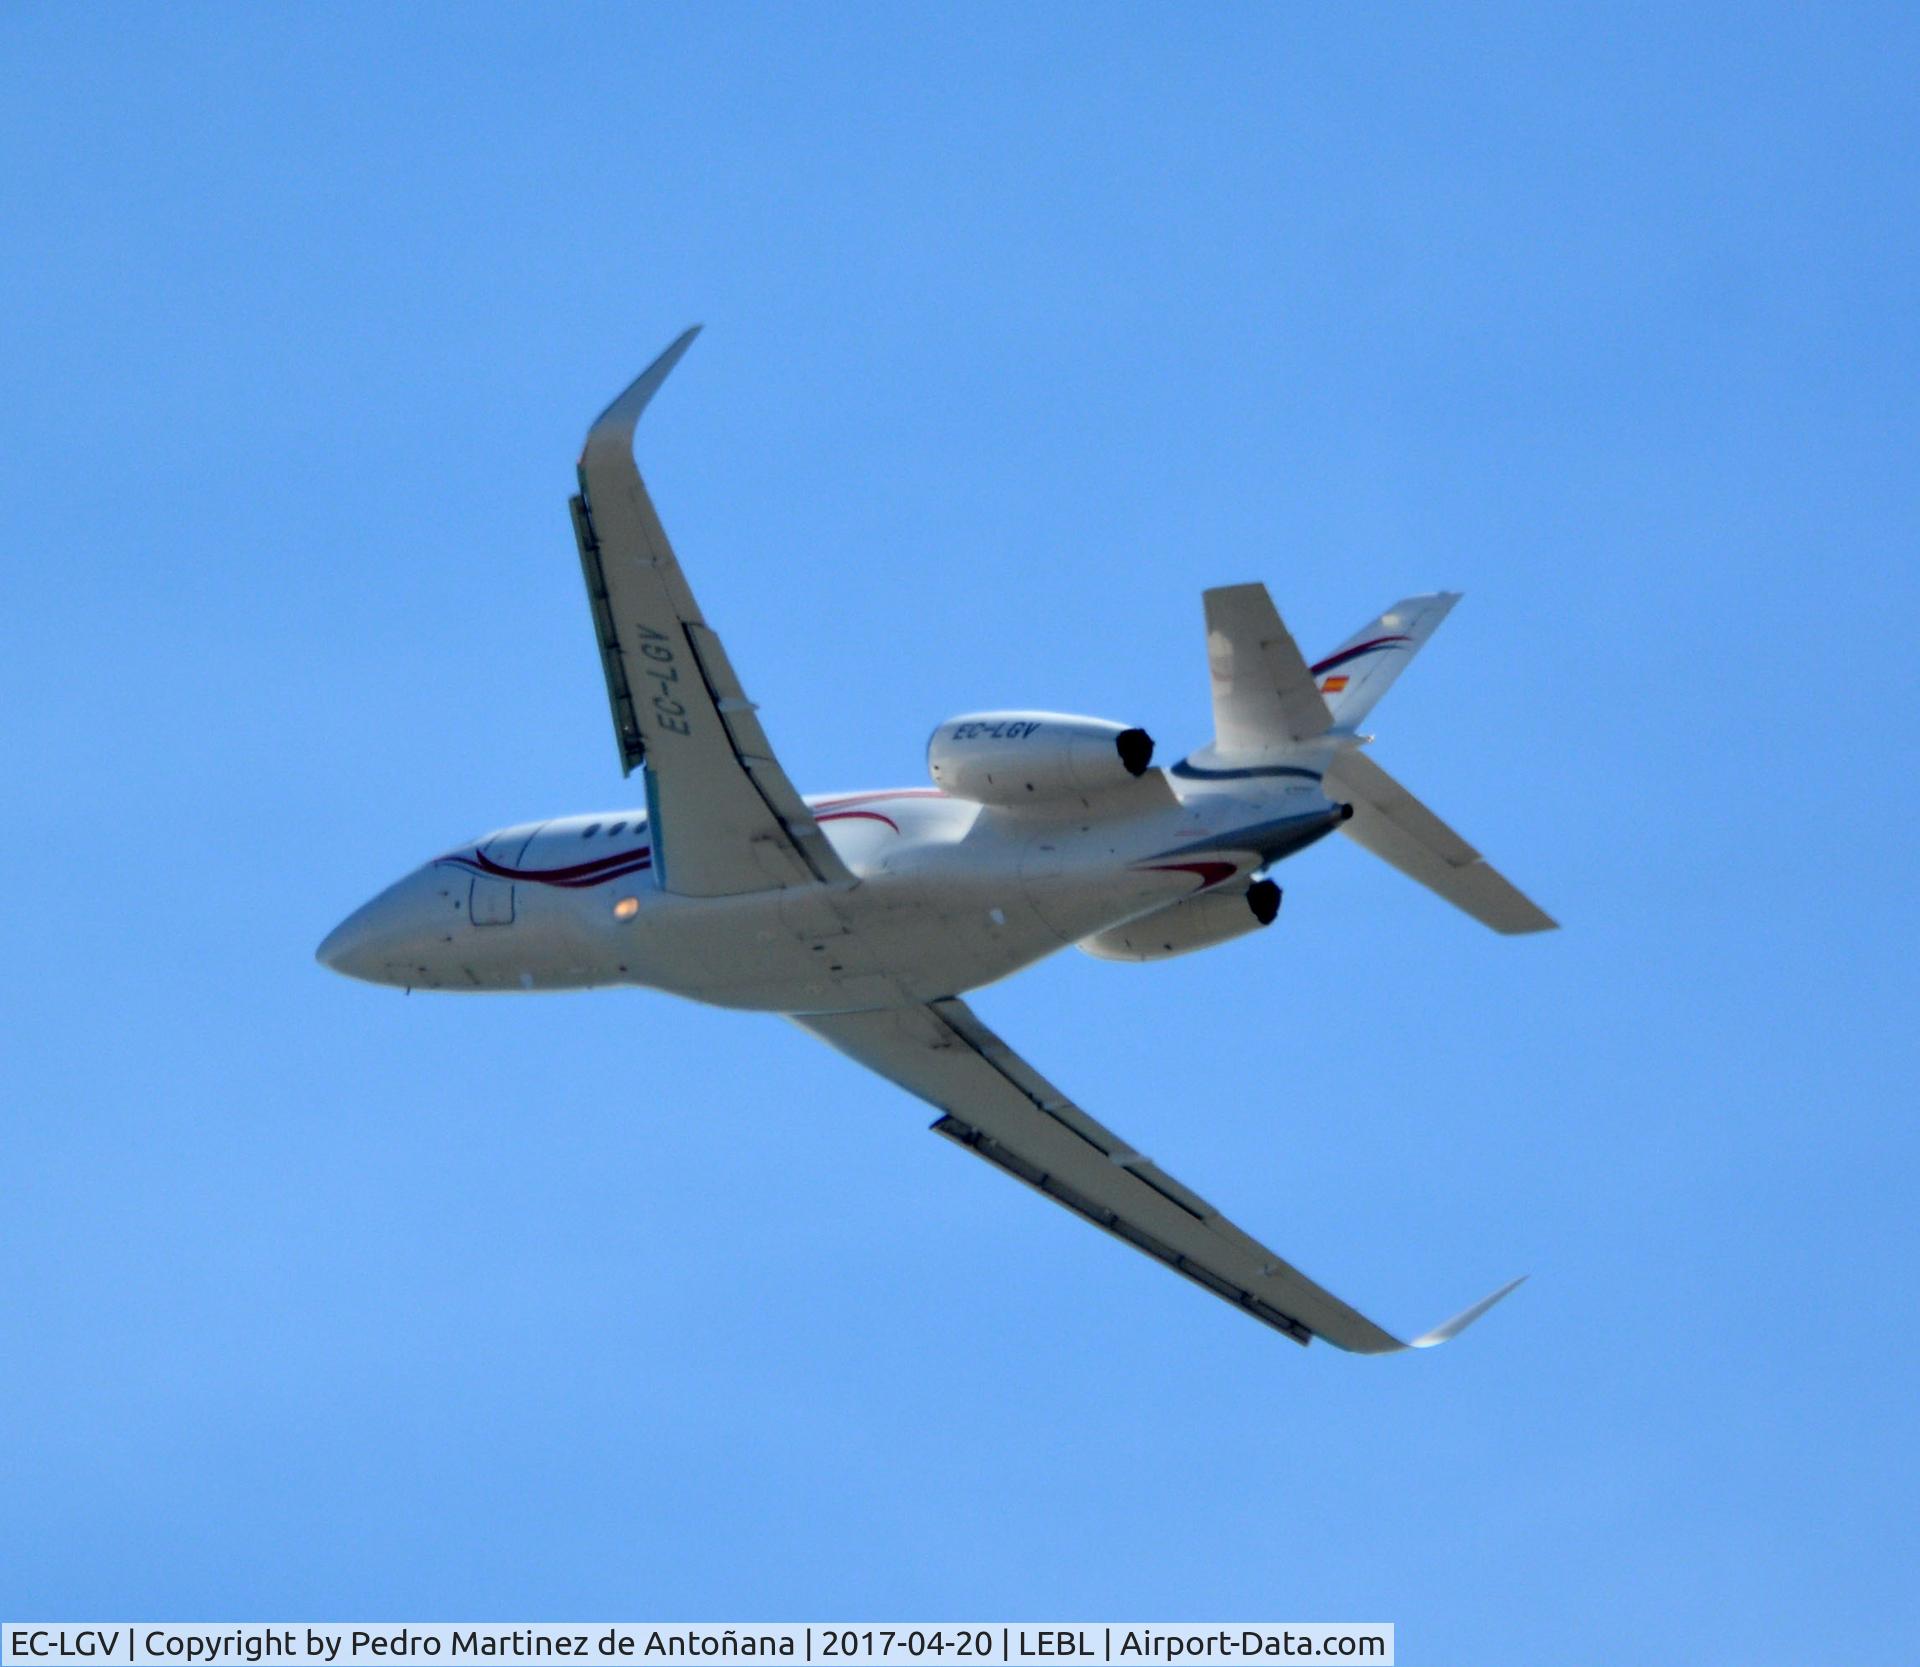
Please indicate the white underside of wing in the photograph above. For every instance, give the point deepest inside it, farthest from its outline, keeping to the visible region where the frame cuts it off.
(1005, 1111)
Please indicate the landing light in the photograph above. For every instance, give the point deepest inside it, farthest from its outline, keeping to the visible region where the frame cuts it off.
(626, 908)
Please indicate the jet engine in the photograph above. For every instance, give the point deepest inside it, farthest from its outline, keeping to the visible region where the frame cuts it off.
(1022, 758)
(1192, 923)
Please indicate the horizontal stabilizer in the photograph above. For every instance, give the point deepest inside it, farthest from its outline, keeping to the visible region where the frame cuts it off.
(1396, 827)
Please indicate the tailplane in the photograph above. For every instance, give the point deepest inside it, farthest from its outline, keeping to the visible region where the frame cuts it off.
(1396, 827)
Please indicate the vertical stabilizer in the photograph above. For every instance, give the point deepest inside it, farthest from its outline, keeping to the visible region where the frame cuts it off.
(1357, 673)
(1263, 691)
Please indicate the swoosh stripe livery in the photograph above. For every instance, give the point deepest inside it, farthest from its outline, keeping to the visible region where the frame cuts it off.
(866, 815)
(880, 797)
(580, 874)
(599, 870)
(1211, 873)
(1371, 645)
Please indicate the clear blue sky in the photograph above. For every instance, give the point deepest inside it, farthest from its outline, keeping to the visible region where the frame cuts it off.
(1024, 324)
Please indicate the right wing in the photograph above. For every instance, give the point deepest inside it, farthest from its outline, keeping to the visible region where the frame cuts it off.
(998, 1106)
(723, 816)
(1396, 827)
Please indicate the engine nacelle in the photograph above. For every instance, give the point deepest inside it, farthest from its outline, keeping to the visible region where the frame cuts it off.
(1021, 758)
(1192, 923)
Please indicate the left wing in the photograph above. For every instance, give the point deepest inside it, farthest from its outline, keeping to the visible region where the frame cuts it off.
(724, 818)
(999, 1106)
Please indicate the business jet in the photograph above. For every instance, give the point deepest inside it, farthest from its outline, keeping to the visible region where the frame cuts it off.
(863, 917)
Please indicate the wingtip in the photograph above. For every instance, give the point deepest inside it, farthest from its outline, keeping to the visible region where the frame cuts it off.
(623, 415)
(1459, 1323)
(1539, 921)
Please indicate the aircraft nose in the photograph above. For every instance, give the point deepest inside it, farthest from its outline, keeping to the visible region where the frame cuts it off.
(341, 949)
(376, 940)
(354, 947)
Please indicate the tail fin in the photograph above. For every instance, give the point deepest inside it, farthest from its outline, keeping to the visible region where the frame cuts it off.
(1357, 673)
(1263, 693)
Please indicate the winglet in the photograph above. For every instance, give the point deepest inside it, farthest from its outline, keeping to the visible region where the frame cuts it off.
(618, 421)
(1354, 1332)
(1459, 1323)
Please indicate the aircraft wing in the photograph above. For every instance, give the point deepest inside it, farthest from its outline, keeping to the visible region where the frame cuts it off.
(724, 818)
(997, 1105)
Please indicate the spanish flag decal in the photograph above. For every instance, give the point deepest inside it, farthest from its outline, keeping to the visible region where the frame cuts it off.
(1333, 685)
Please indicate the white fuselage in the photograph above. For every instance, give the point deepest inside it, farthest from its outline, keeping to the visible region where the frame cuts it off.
(948, 895)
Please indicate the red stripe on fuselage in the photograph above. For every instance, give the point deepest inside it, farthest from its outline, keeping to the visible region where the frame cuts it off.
(878, 798)
(618, 863)
(843, 815)
(576, 874)
(1211, 873)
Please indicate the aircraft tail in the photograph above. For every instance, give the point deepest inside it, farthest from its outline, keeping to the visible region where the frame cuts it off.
(1357, 673)
(1266, 696)
(1267, 700)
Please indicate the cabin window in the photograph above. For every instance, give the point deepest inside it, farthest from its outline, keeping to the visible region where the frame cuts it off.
(616, 828)
(590, 830)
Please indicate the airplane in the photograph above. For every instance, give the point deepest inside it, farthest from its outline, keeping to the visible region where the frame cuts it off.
(864, 917)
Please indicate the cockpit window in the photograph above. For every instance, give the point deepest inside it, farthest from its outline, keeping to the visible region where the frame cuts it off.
(590, 830)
